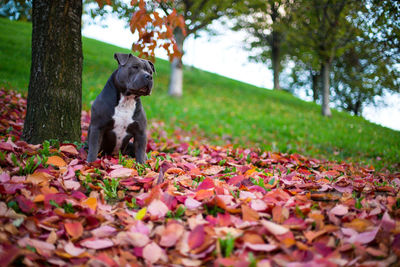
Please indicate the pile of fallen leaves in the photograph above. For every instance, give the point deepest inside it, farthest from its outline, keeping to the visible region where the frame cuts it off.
(189, 205)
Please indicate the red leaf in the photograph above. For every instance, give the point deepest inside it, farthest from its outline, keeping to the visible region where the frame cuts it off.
(235, 180)
(197, 237)
(26, 205)
(206, 184)
(8, 253)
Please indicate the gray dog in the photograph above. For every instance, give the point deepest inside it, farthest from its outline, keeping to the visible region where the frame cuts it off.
(117, 113)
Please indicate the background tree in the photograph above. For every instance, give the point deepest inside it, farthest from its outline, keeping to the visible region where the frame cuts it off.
(305, 73)
(16, 9)
(324, 28)
(264, 22)
(363, 72)
(365, 66)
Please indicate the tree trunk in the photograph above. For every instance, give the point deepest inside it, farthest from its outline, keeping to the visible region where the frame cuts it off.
(315, 85)
(357, 108)
(275, 47)
(325, 89)
(275, 50)
(55, 86)
(176, 79)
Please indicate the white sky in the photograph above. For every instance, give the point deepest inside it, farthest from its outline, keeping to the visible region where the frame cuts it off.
(223, 54)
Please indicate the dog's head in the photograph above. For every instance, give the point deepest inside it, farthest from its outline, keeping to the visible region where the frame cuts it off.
(134, 75)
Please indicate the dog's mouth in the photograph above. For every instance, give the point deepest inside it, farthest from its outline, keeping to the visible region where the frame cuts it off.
(139, 92)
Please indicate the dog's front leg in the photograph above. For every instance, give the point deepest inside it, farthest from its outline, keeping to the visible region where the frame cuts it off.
(95, 138)
(140, 144)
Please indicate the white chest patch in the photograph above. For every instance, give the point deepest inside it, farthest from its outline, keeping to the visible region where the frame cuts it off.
(122, 118)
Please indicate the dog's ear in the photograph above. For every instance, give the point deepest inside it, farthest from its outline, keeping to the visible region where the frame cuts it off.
(152, 66)
(122, 58)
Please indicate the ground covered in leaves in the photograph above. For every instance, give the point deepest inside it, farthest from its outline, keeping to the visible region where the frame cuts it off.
(191, 204)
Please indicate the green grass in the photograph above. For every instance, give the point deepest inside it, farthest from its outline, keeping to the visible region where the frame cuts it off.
(220, 107)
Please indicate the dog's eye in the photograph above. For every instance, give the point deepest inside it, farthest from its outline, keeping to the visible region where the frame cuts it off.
(135, 67)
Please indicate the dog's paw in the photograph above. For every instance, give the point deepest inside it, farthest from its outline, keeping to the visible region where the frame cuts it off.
(90, 159)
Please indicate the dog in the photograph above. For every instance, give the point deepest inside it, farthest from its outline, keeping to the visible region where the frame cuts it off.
(117, 112)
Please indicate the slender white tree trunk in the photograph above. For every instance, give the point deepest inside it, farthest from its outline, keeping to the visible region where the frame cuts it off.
(326, 111)
(176, 78)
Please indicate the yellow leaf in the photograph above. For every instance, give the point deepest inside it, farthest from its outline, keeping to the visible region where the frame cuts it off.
(141, 213)
(360, 225)
(248, 173)
(56, 161)
(91, 202)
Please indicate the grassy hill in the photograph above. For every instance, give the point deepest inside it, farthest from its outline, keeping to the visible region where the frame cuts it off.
(219, 108)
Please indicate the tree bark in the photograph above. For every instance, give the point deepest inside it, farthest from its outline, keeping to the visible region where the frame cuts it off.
(325, 69)
(55, 86)
(357, 108)
(176, 78)
(275, 46)
(275, 50)
(315, 85)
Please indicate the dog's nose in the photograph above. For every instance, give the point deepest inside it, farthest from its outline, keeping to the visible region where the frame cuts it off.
(148, 77)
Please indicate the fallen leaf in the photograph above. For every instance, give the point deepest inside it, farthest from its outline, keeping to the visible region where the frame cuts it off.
(121, 173)
(135, 239)
(339, 210)
(196, 237)
(96, 243)
(260, 247)
(360, 225)
(38, 178)
(191, 203)
(90, 202)
(248, 214)
(171, 234)
(213, 170)
(69, 149)
(157, 208)
(152, 252)
(274, 228)
(74, 229)
(56, 161)
(72, 185)
(72, 250)
(103, 231)
(141, 213)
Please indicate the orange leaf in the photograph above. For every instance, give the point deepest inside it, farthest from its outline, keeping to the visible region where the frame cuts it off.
(360, 225)
(248, 173)
(74, 229)
(253, 238)
(204, 194)
(48, 190)
(38, 178)
(178, 171)
(56, 161)
(311, 235)
(39, 198)
(279, 214)
(249, 214)
(91, 202)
